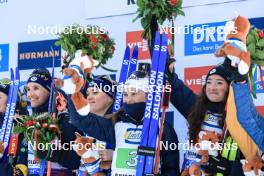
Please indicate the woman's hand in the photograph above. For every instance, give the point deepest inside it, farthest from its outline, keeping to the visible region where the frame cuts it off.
(106, 155)
(233, 71)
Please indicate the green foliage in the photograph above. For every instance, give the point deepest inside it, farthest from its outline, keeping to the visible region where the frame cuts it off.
(255, 45)
(92, 40)
(160, 10)
(42, 124)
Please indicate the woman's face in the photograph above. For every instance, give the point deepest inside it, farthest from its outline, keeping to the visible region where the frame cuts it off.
(132, 95)
(99, 101)
(3, 101)
(36, 94)
(216, 88)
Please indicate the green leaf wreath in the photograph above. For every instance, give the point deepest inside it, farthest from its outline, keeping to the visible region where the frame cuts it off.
(45, 127)
(255, 45)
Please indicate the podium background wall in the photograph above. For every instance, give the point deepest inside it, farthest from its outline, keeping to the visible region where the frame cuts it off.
(194, 57)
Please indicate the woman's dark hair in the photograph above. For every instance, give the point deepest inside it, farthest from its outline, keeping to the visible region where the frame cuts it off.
(115, 117)
(196, 116)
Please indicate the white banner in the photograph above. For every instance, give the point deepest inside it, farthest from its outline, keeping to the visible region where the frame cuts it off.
(61, 13)
(106, 8)
(193, 3)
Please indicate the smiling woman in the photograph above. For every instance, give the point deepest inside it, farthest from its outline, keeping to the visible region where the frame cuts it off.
(36, 94)
(38, 89)
(216, 86)
(100, 95)
(124, 128)
(206, 128)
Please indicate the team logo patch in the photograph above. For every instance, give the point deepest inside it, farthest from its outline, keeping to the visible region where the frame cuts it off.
(23, 149)
(34, 78)
(212, 71)
(133, 136)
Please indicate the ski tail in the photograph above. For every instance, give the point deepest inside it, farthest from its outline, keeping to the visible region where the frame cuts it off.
(12, 111)
(133, 61)
(52, 85)
(148, 110)
(165, 103)
(154, 125)
(9, 99)
(122, 79)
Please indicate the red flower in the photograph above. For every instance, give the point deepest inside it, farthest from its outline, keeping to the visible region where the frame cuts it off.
(107, 38)
(44, 125)
(93, 39)
(94, 46)
(113, 49)
(260, 34)
(173, 2)
(104, 37)
(30, 123)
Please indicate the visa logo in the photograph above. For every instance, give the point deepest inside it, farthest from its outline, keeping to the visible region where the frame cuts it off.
(141, 44)
(196, 81)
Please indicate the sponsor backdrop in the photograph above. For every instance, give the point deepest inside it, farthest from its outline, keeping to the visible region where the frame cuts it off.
(4, 57)
(38, 54)
(30, 27)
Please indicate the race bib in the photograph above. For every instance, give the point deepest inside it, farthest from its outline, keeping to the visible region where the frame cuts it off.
(33, 162)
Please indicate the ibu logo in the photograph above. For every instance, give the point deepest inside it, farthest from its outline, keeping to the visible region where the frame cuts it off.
(212, 118)
(133, 136)
(203, 38)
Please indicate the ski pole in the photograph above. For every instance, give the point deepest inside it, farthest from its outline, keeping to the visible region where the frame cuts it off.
(164, 106)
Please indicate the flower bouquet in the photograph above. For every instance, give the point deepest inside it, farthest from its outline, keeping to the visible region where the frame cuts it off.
(38, 129)
(91, 40)
(152, 12)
